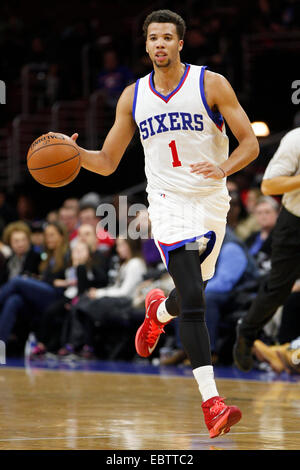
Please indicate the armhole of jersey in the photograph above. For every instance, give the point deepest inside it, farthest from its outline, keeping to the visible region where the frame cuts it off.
(136, 88)
(217, 117)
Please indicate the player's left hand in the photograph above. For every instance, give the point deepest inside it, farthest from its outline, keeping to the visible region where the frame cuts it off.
(207, 170)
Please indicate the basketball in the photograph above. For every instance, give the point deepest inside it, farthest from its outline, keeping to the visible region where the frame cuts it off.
(53, 160)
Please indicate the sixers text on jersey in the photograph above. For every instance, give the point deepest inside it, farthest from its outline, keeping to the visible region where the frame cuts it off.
(174, 121)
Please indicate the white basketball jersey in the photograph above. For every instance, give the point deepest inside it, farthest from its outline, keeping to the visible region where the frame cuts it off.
(177, 130)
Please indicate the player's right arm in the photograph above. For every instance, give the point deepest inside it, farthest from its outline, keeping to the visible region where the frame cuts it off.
(106, 160)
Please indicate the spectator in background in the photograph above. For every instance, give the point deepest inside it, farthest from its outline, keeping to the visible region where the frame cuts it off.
(37, 237)
(87, 216)
(232, 185)
(5, 251)
(108, 305)
(31, 296)
(237, 212)
(249, 224)
(150, 251)
(265, 212)
(85, 272)
(23, 260)
(259, 245)
(87, 234)
(68, 216)
(72, 203)
(113, 77)
(132, 270)
(52, 216)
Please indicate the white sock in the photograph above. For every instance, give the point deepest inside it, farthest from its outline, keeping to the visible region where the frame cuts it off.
(162, 313)
(206, 382)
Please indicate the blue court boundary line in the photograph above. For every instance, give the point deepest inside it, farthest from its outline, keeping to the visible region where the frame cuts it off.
(145, 368)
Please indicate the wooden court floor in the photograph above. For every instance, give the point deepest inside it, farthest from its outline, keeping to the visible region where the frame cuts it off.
(48, 409)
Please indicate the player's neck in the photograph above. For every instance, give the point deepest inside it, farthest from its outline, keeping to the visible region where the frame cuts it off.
(166, 79)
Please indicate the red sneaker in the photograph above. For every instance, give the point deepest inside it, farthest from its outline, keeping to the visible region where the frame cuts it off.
(219, 417)
(148, 334)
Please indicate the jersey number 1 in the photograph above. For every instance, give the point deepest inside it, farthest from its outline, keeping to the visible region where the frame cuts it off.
(176, 161)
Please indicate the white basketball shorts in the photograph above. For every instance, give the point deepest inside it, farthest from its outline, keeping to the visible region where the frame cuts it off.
(183, 220)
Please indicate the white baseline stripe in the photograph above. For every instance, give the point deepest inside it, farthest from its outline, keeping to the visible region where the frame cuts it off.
(148, 435)
(54, 438)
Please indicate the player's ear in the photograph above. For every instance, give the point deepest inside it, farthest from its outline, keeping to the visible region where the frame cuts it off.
(180, 45)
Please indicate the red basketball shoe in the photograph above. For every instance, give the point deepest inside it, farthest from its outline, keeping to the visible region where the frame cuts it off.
(148, 334)
(219, 417)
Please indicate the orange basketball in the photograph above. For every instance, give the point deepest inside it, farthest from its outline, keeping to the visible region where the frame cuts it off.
(53, 160)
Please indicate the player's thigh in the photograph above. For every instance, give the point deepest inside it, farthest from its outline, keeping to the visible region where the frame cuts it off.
(209, 264)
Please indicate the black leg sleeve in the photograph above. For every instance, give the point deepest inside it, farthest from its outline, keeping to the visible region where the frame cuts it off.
(188, 300)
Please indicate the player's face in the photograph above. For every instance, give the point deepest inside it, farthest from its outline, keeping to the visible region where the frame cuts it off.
(163, 44)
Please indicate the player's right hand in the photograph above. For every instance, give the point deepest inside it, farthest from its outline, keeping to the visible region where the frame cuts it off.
(74, 136)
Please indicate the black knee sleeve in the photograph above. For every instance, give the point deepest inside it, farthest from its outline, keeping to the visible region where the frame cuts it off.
(192, 303)
(193, 315)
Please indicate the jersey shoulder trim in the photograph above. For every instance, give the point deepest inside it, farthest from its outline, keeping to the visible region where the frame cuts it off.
(216, 117)
(136, 89)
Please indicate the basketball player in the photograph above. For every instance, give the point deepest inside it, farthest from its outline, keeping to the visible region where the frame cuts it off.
(282, 176)
(180, 111)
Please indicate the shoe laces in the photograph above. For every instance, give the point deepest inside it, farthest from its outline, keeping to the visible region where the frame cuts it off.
(154, 331)
(218, 406)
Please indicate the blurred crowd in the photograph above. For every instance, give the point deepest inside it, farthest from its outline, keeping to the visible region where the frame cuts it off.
(110, 39)
(80, 290)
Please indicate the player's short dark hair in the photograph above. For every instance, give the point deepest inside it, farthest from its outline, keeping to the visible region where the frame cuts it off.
(165, 16)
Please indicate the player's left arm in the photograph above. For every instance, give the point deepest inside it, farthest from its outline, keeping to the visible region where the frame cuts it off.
(221, 97)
